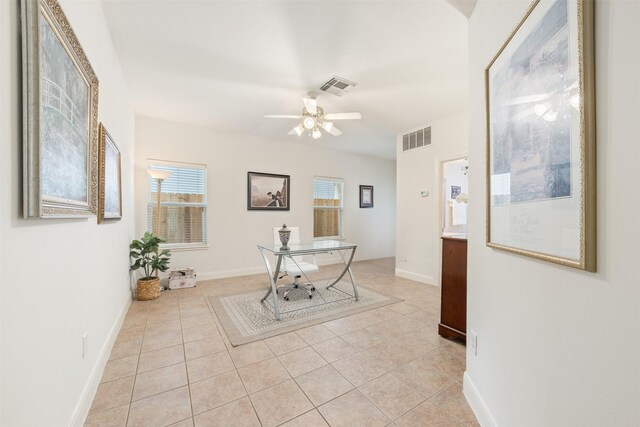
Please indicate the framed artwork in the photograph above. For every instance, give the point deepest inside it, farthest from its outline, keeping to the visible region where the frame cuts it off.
(60, 117)
(366, 196)
(455, 191)
(109, 179)
(267, 192)
(541, 198)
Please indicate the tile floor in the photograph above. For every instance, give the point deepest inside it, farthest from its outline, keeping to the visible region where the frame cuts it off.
(172, 364)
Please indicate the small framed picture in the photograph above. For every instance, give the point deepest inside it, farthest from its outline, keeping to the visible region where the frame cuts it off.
(109, 179)
(366, 196)
(455, 191)
(267, 191)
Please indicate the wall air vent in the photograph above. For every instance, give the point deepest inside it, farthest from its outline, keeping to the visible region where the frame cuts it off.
(417, 139)
(338, 86)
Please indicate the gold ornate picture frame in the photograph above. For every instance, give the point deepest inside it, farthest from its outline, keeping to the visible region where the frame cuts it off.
(60, 117)
(541, 165)
(109, 179)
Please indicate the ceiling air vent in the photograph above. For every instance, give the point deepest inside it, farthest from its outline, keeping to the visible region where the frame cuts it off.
(338, 86)
(417, 139)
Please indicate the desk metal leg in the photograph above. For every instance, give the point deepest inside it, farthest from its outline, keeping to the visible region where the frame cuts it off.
(272, 281)
(347, 269)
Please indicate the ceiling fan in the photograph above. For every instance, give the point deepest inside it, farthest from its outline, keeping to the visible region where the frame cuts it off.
(314, 119)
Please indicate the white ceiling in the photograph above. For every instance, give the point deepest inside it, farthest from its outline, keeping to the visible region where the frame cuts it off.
(224, 64)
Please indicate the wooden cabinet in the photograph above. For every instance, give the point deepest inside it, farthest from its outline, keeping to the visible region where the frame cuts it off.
(453, 310)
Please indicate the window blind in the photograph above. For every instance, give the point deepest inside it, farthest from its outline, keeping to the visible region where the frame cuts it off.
(327, 207)
(183, 203)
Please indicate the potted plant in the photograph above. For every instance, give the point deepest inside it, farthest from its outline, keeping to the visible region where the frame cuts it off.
(148, 257)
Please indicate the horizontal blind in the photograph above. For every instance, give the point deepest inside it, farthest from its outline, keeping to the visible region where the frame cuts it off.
(327, 207)
(183, 203)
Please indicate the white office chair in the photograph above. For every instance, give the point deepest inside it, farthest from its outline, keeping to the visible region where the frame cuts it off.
(295, 266)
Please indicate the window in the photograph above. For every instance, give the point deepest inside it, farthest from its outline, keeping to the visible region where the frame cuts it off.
(327, 207)
(183, 204)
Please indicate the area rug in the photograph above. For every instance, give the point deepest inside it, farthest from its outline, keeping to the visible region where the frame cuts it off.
(245, 319)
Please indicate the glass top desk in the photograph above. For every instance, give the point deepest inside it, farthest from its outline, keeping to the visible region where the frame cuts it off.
(345, 250)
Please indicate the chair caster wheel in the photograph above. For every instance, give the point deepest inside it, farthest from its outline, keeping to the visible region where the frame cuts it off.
(313, 289)
(310, 297)
(295, 286)
(286, 298)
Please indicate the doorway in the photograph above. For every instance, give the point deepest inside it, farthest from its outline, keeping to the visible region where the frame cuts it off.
(455, 191)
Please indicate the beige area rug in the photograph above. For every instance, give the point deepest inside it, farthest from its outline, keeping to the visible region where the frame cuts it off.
(245, 319)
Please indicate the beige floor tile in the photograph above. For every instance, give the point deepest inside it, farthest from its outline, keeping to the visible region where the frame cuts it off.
(334, 349)
(162, 409)
(343, 325)
(308, 419)
(184, 423)
(391, 396)
(359, 369)
(280, 403)
(446, 362)
(216, 391)
(123, 349)
(159, 328)
(238, 413)
(160, 340)
(193, 321)
(315, 334)
(120, 368)
(264, 374)
(353, 410)
(456, 347)
(159, 380)
(115, 417)
(128, 334)
(285, 343)
(427, 415)
(250, 353)
(160, 358)
(323, 384)
(205, 347)
(390, 355)
(134, 321)
(452, 401)
(403, 307)
(208, 366)
(301, 361)
(200, 332)
(361, 339)
(112, 394)
(195, 311)
(420, 375)
(164, 316)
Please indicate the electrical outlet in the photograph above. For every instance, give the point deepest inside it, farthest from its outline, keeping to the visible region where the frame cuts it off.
(474, 342)
(85, 345)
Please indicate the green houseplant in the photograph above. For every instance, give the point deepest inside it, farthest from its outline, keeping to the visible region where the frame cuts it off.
(146, 255)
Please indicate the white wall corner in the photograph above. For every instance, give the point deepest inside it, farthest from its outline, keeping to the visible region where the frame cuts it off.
(422, 278)
(477, 403)
(88, 393)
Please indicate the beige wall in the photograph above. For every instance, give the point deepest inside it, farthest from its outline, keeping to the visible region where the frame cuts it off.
(233, 231)
(419, 218)
(60, 278)
(559, 346)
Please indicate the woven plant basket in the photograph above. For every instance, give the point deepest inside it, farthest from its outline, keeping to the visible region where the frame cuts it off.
(148, 289)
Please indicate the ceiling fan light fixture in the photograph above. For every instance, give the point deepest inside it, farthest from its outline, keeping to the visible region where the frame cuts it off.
(327, 126)
(309, 123)
(298, 130)
(315, 133)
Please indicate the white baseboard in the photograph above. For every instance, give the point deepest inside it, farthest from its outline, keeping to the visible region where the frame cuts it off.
(422, 278)
(477, 403)
(84, 404)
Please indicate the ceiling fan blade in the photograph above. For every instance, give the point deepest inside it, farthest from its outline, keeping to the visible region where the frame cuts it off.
(335, 131)
(343, 116)
(296, 130)
(311, 105)
(281, 116)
